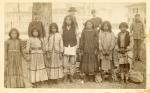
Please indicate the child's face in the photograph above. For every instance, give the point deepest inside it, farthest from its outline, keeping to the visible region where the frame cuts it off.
(106, 27)
(35, 33)
(123, 28)
(89, 25)
(68, 21)
(14, 34)
(54, 30)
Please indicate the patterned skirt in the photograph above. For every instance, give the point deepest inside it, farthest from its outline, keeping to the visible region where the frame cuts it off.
(37, 70)
(13, 71)
(54, 65)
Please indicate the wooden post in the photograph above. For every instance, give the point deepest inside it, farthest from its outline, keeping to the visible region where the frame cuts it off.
(43, 13)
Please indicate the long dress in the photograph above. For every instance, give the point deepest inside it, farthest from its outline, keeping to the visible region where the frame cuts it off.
(54, 48)
(88, 45)
(106, 43)
(13, 69)
(37, 69)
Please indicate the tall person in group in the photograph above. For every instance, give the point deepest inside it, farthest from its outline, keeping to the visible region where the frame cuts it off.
(138, 32)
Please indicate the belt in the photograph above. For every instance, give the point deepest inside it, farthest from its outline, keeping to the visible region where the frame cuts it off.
(14, 50)
(36, 48)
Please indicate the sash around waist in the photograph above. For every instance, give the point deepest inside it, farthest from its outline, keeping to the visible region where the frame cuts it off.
(36, 48)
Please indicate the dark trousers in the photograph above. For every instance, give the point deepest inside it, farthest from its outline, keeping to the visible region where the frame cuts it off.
(137, 48)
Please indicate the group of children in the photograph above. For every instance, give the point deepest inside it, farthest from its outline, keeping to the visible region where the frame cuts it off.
(54, 57)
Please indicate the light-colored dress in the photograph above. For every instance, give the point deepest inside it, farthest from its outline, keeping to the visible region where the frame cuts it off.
(106, 43)
(54, 48)
(37, 69)
(13, 68)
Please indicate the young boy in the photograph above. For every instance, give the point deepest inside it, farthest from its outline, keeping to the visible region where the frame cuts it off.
(124, 47)
(137, 29)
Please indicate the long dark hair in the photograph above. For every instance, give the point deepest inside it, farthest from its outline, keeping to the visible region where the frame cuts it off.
(108, 24)
(53, 25)
(16, 30)
(85, 24)
(50, 29)
(39, 35)
(73, 25)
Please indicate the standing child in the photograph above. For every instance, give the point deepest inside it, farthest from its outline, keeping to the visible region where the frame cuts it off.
(37, 69)
(106, 46)
(54, 51)
(70, 44)
(124, 47)
(89, 47)
(13, 61)
(137, 30)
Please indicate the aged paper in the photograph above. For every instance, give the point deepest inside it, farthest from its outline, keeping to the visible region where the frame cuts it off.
(20, 13)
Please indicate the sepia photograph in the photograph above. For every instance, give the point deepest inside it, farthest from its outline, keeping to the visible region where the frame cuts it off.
(75, 45)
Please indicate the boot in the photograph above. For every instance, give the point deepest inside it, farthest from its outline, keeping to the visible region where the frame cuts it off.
(55, 81)
(66, 78)
(71, 78)
(83, 78)
(126, 78)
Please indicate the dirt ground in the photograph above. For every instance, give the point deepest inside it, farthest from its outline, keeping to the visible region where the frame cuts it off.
(104, 85)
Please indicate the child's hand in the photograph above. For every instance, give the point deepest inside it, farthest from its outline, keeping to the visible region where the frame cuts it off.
(96, 52)
(28, 58)
(81, 53)
(61, 56)
(104, 52)
(108, 52)
(48, 57)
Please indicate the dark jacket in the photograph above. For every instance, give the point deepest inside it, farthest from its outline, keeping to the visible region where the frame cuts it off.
(69, 37)
(127, 39)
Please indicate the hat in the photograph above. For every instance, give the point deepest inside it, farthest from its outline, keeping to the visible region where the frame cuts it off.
(72, 9)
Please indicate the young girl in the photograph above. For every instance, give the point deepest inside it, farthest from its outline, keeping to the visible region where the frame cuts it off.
(54, 52)
(88, 47)
(70, 44)
(124, 47)
(13, 61)
(106, 46)
(37, 68)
